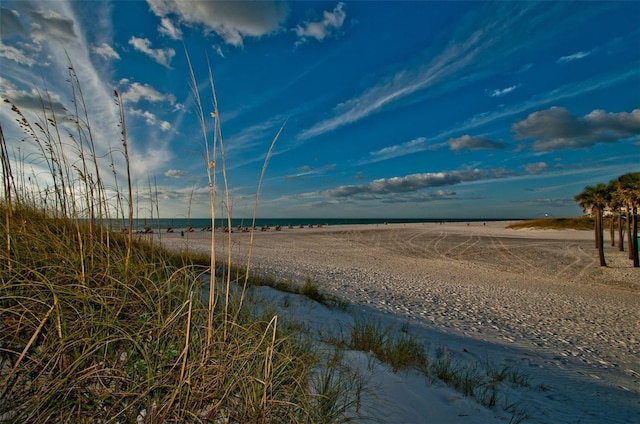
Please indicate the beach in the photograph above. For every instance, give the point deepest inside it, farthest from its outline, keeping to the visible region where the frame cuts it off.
(534, 298)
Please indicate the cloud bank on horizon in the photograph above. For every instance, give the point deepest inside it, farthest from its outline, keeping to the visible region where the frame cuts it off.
(416, 110)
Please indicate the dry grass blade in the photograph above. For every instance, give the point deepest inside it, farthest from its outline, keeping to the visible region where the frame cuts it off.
(26, 348)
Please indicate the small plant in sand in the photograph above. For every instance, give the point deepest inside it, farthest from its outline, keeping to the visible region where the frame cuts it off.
(398, 350)
(310, 290)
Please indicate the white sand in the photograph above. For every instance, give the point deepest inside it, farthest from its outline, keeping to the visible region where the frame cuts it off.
(533, 298)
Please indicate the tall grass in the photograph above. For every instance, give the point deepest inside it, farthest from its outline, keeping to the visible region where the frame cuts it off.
(97, 326)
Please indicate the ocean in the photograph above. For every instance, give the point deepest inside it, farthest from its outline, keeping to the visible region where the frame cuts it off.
(200, 223)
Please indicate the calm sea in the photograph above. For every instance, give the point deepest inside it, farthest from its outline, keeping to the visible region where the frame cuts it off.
(200, 223)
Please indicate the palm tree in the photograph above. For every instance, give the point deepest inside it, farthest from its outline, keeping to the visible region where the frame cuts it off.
(596, 197)
(629, 189)
(617, 206)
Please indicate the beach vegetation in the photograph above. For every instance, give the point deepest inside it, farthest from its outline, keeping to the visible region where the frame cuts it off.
(627, 193)
(339, 389)
(622, 197)
(583, 223)
(99, 325)
(127, 341)
(482, 381)
(310, 290)
(596, 198)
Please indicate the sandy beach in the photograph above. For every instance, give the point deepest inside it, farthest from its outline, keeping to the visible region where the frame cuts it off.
(535, 298)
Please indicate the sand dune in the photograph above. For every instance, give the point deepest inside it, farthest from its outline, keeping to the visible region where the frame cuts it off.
(535, 297)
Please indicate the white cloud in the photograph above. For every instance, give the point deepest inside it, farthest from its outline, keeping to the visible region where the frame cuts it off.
(231, 20)
(136, 92)
(151, 119)
(162, 56)
(176, 173)
(106, 51)
(15, 54)
(167, 28)
(503, 91)
(556, 128)
(574, 56)
(165, 126)
(330, 23)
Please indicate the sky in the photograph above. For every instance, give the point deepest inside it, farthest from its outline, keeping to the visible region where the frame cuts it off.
(416, 109)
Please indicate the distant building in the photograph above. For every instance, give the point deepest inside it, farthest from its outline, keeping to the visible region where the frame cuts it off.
(606, 212)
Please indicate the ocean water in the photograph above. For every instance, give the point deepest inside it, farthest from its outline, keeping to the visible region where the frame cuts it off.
(200, 223)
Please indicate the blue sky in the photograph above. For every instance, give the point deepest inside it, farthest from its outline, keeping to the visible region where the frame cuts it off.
(390, 109)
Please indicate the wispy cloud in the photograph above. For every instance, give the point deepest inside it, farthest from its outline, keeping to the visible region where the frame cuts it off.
(478, 121)
(424, 197)
(328, 26)
(106, 51)
(474, 49)
(162, 56)
(574, 56)
(15, 54)
(10, 24)
(136, 92)
(260, 134)
(151, 119)
(167, 28)
(556, 128)
(307, 170)
(536, 168)
(176, 173)
(502, 91)
(397, 150)
(52, 25)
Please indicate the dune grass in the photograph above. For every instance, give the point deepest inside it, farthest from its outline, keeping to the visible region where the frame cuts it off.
(118, 343)
(485, 382)
(96, 326)
(580, 223)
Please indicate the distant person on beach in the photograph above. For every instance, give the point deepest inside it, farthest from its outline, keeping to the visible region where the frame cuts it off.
(182, 233)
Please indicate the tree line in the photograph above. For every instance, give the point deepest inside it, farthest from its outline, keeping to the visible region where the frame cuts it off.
(622, 198)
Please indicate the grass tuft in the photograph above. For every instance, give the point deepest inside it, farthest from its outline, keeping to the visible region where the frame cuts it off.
(398, 350)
